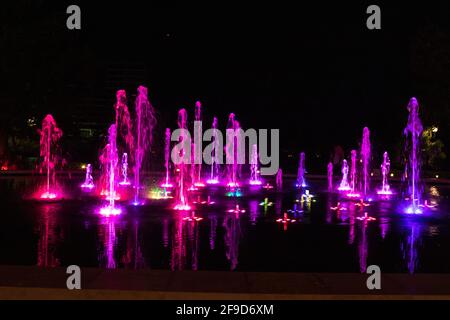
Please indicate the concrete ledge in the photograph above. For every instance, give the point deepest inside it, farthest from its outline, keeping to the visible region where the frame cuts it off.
(18, 282)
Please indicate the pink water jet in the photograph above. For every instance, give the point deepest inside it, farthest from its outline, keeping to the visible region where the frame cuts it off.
(413, 132)
(231, 152)
(197, 148)
(301, 171)
(182, 202)
(365, 158)
(111, 161)
(124, 170)
(144, 125)
(167, 183)
(124, 125)
(89, 180)
(49, 137)
(353, 176)
(214, 176)
(254, 170)
(385, 168)
(344, 185)
(330, 176)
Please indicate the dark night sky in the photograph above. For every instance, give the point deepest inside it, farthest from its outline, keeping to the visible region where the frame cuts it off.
(314, 71)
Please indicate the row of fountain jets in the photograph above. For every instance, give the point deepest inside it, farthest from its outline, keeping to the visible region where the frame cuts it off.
(135, 136)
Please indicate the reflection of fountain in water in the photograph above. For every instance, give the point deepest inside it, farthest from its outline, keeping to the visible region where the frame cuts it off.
(253, 210)
(178, 253)
(107, 235)
(279, 204)
(212, 231)
(384, 227)
(232, 226)
(185, 238)
(133, 258)
(363, 246)
(279, 179)
(49, 236)
(410, 247)
(165, 233)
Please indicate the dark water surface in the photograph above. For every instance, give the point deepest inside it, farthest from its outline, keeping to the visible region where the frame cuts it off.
(156, 237)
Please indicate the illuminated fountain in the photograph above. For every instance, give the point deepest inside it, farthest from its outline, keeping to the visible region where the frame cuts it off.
(301, 171)
(180, 150)
(112, 159)
(365, 157)
(125, 140)
(344, 185)
(413, 133)
(254, 170)
(330, 176)
(385, 168)
(231, 151)
(167, 183)
(197, 152)
(89, 180)
(125, 181)
(353, 192)
(50, 135)
(145, 122)
(214, 177)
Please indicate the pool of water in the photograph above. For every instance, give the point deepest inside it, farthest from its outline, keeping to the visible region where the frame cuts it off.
(156, 237)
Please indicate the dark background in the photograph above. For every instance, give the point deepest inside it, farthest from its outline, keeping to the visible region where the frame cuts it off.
(312, 70)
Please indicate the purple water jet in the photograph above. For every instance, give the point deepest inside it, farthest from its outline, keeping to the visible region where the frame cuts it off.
(254, 170)
(330, 175)
(197, 152)
(385, 168)
(167, 183)
(413, 132)
(89, 180)
(123, 123)
(365, 157)
(145, 122)
(111, 161)
(124, 170)
(182, 202)
(49, 137)
(353, 176)
(231, 152)
(301, 171)
(214, 177)
(344, 185)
